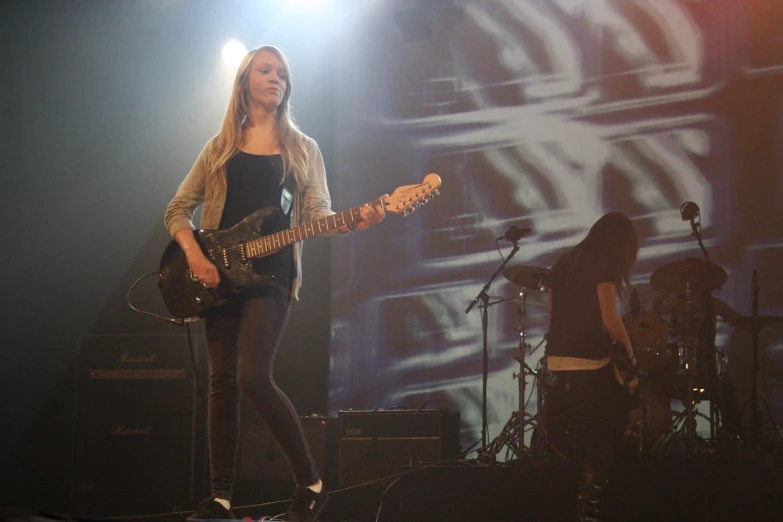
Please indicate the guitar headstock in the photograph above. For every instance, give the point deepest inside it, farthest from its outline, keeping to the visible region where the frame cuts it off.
(404, 200)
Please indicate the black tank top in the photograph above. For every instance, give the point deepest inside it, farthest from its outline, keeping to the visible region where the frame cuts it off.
(576, 328)
(252, 183)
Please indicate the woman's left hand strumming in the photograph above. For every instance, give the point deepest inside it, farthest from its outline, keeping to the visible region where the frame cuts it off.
(370, 216)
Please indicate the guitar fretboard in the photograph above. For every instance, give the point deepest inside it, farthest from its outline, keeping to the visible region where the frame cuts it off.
(272, 242)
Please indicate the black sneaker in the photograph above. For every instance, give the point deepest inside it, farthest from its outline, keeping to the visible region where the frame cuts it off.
(306, 505)
(210, 509)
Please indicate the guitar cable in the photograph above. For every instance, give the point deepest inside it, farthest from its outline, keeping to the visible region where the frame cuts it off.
(177, 322)
(170, 320)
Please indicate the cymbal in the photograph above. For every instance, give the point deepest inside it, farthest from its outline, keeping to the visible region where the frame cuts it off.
(672, 278)
(534, 278)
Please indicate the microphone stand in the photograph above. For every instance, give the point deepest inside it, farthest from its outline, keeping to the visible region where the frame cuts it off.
(483, 296)
(707, 336)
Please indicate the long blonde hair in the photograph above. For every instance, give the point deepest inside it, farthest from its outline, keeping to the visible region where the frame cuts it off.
(291, 140)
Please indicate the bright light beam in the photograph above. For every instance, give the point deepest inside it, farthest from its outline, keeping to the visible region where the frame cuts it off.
(233, 52)
(306, 6)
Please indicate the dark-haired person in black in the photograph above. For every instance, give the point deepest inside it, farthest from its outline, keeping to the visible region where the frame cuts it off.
(587, 405)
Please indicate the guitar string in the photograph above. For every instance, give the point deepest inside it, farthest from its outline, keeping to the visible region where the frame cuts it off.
(238, 249)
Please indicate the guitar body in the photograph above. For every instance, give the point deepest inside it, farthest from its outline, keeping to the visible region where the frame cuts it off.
(184, 296)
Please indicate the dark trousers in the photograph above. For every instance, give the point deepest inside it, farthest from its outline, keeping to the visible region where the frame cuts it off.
(242, 340)
(586, 413)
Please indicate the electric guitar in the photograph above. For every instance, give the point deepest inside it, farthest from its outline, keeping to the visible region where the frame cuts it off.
(233, 250)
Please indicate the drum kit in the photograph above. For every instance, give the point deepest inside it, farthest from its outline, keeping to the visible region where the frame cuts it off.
(676, 358)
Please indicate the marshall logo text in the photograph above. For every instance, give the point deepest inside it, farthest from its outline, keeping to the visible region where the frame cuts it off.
(126, 357)
(122, 429)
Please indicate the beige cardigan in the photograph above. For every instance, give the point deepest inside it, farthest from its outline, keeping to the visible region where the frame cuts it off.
(311, 202)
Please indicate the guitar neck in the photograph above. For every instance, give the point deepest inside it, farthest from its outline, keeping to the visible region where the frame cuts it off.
(276, 241)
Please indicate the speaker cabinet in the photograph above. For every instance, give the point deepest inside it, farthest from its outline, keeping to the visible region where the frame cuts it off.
(377, 443)
(134, 419)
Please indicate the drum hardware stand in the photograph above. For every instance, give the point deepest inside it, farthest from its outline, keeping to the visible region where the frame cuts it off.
(684, 421)
(704, 336)
(513, 433)
(483, 296)
(523, 369)
(677, 427)
(708, 331)
(757, 398)
(691, 214)
(690, 367)
(544, 385)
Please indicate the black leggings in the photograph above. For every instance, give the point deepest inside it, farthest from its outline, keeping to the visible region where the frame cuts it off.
(586, 414)
(242, 340)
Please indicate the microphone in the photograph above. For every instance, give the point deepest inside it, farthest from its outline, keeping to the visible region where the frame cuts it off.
(636, 306)
(514, 234)
(689, 211)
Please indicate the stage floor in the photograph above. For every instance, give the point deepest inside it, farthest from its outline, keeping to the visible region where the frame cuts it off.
(536, 490)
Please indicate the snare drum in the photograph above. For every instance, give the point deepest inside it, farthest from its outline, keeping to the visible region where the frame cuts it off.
(649, 334)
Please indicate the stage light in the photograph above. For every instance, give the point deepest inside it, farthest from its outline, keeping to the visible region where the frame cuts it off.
(233, 52)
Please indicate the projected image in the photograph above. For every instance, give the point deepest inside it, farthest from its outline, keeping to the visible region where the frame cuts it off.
(539, 114)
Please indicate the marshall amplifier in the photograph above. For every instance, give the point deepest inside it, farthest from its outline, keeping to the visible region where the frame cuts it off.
(377, 443)
(134, 419)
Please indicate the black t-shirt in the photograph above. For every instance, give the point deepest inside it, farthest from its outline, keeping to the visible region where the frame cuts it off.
(252, 183)
(576, 328)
